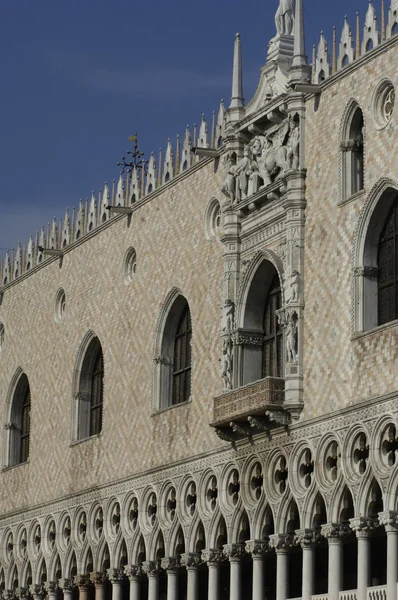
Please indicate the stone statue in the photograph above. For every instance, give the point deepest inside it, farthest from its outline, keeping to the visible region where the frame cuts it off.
(243, 172)
(227, 316)
(229, 186)
(226, 366)
(293, 145)
(294, 286)
(284, 17)
(291, 344)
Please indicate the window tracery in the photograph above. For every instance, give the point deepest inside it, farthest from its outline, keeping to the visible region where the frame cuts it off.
(18, 426)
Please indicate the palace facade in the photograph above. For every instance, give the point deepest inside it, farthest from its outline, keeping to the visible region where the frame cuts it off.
(199, 368)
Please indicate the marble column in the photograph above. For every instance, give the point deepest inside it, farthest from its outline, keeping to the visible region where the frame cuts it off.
(191, 562)
(36, 591)
(213, 559)
(134, 573)
(152, 569)
(171, 565)
(51, 588)
(335, 534)
(98, 580)
(307, 539)
(282, 542)
(83, 583)
(363, 527)
(258, 549)
(116, 577)
(66, 586)
(235, 553)
(390, 521)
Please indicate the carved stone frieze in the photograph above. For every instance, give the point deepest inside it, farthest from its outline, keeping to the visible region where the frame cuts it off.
(97, 578)
(307, 538)
(363, 526)
(170, 563)
(281, 541)
(190, 560)
(257, 548)
(134, 572)
(335, 531)
(389, 519)
(152, 568)
(213, 555)
(82, 581)
(234, 551)
(66, 584)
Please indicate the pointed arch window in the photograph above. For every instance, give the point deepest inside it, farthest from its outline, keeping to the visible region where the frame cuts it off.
(18, 427)
(182, 359)
(273, 335)
(173, 360)
(353, 155)
(387, 261)
(90, 395)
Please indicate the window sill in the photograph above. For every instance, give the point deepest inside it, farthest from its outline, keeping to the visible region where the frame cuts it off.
(9, 468)
(352, 198)
(159, 411)
(87, 439)
(361, 334)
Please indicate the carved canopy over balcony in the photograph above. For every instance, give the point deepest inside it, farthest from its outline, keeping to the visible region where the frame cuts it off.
(252, 400)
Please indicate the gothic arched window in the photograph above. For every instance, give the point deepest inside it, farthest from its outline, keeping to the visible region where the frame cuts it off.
(273, 336)
(353, 157)
(182, 359)
(172, 375)
(387, 261)
(89, 397)
(19, 425)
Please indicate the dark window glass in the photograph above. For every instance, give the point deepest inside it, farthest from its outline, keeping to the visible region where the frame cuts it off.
(25, 428)
(273, 339)
(182, 359)
(388, 268)
(97, 385)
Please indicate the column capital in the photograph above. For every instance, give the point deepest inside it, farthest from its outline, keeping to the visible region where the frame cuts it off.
(37, 590)
(306, 538)
(363, 526)
(234, 552)
(10, 594)
(134, 572)
(82, 581)
(191, 560)
(151, 567)
(335, 532)
(21, 592)
(66, 584)
(97, 578)
(213, 556)
(115, 575)
(281, 541)
(51, 587)
(257, 548)
(170, 563)
(389, 519)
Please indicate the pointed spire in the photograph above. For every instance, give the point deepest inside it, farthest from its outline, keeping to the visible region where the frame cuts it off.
(322, 64)
(120, 191)
(168, 171)
(383, 21)
(104, 203)
(213, 129)
(178, 151)
(203, 134)
(371, 35)
(220, 129)
(186, 156)
(313, 64)
(334, 51)
(346, 50)
(66, 230)
(358, 37)
(79, 221)
(151, 176)
(159, 182)
(92, 217)
(236, 107)
(54, 235)
(135, 186)
(17, 261)
(300, 71)
(29, 254)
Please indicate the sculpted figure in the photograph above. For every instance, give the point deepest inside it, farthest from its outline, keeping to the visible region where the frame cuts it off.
(226, 367)
(243, 172)
(284, 17)
(228, 316)
(293, 145)
(291, 328)
(294, 286)
(229, 186)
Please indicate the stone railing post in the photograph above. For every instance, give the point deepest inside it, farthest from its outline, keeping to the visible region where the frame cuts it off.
(258, 549)
(134, 573)
(191, 561)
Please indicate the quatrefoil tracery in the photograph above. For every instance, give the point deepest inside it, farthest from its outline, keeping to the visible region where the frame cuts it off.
(234, 486)
(99, 522)
(171, 504)
(133, 514)
(306, 469)
(152, 508)
(191, 499)
(212, 493)
(332, 463)
(115, 520)
(361, 454)
(281, 474)
(257, 481)
(389, 446)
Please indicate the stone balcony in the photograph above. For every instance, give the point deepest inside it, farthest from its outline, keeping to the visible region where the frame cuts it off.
(252, 400)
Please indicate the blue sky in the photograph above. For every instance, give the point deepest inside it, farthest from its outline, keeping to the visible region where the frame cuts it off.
(79, 77)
